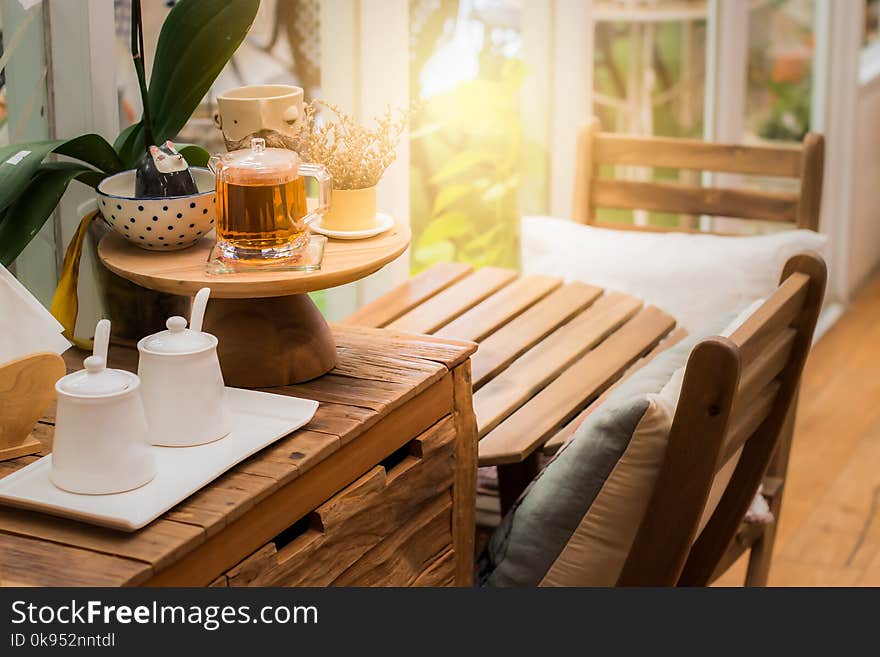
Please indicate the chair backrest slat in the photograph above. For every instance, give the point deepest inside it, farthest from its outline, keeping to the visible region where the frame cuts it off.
(803, 163)
(683, 199)
(736, 394)
(778, 313)
(765, 367)
(671, 153)
(746, 420)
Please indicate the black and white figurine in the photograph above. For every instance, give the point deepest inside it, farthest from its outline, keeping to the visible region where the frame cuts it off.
(163, 172)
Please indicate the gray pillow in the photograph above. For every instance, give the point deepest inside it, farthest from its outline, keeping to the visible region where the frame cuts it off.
(539, 526)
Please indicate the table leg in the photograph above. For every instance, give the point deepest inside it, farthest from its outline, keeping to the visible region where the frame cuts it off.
(513, 479)
(268, 342)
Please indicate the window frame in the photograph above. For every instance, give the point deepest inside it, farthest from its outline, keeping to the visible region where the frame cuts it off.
(28, 79)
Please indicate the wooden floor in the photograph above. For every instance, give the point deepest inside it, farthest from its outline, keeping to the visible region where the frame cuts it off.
(829, 533)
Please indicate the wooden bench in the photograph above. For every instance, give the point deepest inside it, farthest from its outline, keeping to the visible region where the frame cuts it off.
(548, 352)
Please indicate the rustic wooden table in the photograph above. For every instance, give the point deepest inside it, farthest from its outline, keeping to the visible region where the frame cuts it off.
(548, 352)
(378, 489)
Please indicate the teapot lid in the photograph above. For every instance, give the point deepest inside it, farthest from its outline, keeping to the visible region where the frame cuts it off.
(96, 380)
(177, 339)
(261, 165)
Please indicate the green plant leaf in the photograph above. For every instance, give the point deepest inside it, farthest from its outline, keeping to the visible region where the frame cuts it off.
(195, 155)
(197, 39)
(447, 226)
(93, 149)
(87, 175)
(462, 162)
(438, 252)
(91, 178)
(497, 190)
(489, 237)
(24, 218)
(126, 145)
(427, 130)
(449, 194)
(18, 164)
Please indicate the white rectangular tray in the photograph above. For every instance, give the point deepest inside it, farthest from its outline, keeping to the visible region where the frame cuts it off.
(259, 419)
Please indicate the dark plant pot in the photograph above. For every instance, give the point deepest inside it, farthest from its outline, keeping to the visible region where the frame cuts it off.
(133, 310)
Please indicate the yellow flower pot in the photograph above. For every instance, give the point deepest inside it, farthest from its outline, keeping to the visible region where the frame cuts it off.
(351, 209)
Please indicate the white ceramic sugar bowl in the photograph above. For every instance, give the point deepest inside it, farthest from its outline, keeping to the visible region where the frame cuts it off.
(100, 444)
(182, 385)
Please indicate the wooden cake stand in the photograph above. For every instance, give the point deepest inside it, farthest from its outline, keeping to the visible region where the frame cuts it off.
(270, 332)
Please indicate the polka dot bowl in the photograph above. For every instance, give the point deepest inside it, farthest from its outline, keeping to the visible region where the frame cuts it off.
(158, 224)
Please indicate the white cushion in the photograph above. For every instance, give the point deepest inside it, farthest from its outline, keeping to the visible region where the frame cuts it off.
(692, 277)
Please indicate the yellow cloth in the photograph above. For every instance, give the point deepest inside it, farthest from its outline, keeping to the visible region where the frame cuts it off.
(65, 304)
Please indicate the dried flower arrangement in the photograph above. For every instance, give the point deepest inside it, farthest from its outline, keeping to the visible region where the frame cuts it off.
(355, 155)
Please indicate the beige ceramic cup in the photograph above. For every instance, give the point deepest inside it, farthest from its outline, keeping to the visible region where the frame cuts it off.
(270, 111)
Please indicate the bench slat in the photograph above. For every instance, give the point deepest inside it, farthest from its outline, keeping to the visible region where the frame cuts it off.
(408, 295)
(500, 349)
(540, 417)
(562, 436)
(493, 313)
(532, 371)
(445, 306)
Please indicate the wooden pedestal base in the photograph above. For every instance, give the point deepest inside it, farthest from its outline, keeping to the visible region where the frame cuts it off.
(272, 341)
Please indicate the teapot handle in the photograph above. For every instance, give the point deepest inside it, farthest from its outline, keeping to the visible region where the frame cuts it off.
(325, 188)
(197, 315)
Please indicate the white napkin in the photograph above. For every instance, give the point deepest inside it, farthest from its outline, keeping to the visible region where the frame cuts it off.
(26, 327)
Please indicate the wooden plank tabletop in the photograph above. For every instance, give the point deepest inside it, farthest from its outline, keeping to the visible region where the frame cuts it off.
(548, 350)
(378, 372)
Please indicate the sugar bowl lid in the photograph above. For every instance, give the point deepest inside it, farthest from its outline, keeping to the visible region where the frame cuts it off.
(259, 165)
(97, 380)
(177, 338)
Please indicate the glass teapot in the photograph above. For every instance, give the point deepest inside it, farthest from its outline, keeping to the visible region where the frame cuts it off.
(262, 211)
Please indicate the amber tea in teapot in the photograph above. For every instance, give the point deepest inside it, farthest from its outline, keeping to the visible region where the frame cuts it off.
(255, 216)
(262, 211)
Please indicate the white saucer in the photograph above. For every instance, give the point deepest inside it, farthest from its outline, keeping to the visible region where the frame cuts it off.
(383, 223)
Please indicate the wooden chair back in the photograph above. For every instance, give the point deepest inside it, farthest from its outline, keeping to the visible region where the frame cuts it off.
(737, 393)
(800, 209)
